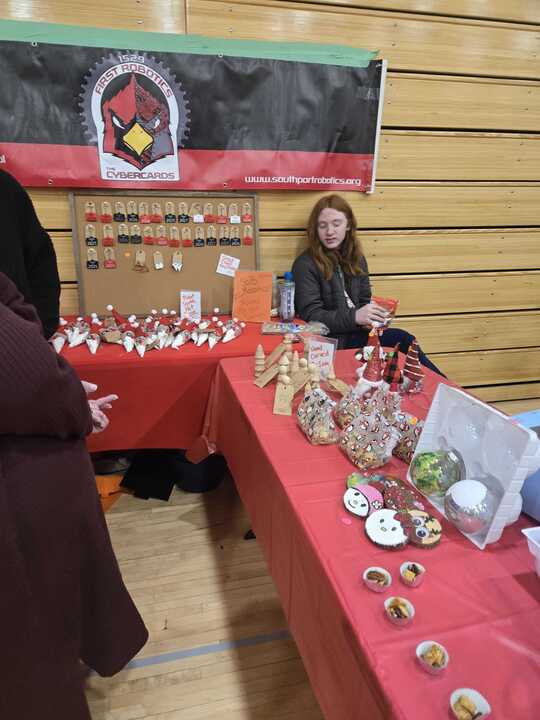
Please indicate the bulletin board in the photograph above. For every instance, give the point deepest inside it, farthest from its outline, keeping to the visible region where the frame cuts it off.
(137, 250)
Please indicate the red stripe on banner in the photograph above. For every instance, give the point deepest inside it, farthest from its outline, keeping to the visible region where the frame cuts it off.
(78, 166)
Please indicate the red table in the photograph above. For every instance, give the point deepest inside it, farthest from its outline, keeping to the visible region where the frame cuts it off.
(482, 605)
(162, 396)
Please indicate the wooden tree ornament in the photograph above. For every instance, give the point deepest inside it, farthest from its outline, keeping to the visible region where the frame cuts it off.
(340, 386)
(259, 361)
(284, 390)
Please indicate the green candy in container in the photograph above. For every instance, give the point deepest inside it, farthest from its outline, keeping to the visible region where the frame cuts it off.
(434, 472)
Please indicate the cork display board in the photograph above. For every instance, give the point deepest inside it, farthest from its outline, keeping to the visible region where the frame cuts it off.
(137, 250)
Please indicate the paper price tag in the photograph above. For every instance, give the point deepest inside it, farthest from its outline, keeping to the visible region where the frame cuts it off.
(321, 352)
(190, 304)
(227, 265)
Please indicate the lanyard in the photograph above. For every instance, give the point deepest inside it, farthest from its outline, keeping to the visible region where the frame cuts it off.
(339, 271)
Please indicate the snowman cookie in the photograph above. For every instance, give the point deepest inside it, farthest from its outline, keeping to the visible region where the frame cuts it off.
(362, 500)
(421, 528)
(384, 529)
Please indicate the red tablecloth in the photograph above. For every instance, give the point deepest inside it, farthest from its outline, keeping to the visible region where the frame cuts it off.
(482, 605)
(162, 396)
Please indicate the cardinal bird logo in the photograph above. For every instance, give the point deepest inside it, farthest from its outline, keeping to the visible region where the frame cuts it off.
(137, 115)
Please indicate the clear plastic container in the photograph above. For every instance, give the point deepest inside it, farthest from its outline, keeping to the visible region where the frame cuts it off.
(286, 304)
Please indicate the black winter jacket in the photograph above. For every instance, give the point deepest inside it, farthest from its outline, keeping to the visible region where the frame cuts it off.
(324, 300)
(27, 255)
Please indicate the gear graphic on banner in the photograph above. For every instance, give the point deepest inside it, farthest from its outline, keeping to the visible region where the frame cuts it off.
(137, 114)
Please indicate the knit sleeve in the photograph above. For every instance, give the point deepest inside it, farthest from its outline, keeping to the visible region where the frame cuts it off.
(40, 394)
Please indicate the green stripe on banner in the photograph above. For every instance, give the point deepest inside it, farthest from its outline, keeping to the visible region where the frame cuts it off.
(36, 32)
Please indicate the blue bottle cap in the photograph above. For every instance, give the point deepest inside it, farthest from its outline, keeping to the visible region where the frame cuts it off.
(288, 276)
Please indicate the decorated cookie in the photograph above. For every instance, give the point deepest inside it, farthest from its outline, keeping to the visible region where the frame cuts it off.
(383, 481)
(402, 498)
(422, 529)
(385, 530)
(362, 500)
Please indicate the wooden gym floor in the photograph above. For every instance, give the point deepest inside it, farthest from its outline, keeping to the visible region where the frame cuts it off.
(219, 646)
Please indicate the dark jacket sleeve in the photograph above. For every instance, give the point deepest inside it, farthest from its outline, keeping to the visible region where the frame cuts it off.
(40, 394)
(40, 263)
(309, 301)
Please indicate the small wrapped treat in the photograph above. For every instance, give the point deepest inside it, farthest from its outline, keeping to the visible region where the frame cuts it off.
(348, 408)
(314, 415)
(93, 342)
(409, 428)
(58, 341)
(368, 441)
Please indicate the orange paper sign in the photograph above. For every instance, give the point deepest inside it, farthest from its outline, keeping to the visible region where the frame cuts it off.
(252, 296)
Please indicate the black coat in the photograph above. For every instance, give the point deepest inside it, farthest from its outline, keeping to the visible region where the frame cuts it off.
(324, 300)
(27, 254)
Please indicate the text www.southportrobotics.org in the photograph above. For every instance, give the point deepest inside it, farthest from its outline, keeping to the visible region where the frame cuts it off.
(301, 180)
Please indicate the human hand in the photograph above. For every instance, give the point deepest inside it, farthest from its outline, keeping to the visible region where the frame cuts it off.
(371, 315)
(99, 420)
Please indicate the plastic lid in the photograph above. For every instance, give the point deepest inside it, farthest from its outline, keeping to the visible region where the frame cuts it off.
(468, 493)
(288, 276)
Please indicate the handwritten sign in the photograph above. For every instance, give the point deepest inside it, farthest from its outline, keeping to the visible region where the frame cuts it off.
(190, 304)
(227, 265)
(321, 352)
(252, 295)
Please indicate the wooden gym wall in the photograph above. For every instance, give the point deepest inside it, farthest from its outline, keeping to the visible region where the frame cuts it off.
(453, 229)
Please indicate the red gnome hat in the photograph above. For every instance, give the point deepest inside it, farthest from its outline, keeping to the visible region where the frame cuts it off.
(392, 373)
(413, 368)
(373, 339)
(120, 320)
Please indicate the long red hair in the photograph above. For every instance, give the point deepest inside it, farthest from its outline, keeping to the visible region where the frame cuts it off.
(349, 254)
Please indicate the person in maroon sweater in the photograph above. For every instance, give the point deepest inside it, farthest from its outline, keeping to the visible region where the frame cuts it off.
(62, 597)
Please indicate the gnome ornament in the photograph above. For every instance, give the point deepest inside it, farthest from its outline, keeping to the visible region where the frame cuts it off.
(413, 375)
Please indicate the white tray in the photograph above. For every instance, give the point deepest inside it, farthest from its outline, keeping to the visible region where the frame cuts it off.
(496, 450)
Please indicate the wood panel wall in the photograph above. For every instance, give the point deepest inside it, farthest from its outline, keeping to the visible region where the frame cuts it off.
(453, 228)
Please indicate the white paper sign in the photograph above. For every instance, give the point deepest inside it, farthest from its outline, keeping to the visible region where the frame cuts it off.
(198, 218)
(227, 265)
(190, 304)
(321, 353)
(235, 219)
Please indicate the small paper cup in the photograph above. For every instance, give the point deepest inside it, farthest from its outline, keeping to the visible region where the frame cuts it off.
(400, 622)
(373, 585)
(417, 580)
(482, 705)
(422, 648)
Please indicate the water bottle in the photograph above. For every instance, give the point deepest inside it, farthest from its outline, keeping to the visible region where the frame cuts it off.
(286, 305)
(276, 296)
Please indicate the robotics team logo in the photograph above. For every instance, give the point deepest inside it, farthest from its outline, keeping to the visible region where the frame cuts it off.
(136, 114)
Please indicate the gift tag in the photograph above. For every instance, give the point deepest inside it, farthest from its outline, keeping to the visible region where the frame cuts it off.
(246, 213)
(183, 216)
(108, 236)
(157, 214)
(144, 214)
(132, 212)
(174, 239)
(119, 212)
(161, 236)
(222, 216)
(196, 213)
(199, 237)
(135, 236)
(123, 233)
(140, 261)
(158, 260)
(106, 212)
(235, 236)
(186, 237)
(90, 237)
(234, 217)
(224, 236)
(248, 235)
(92, 262)
(148, 236)
(211, 238)
(177, 260)
(170, 215)
(109, 263)
(209, 213)
(90, 214)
